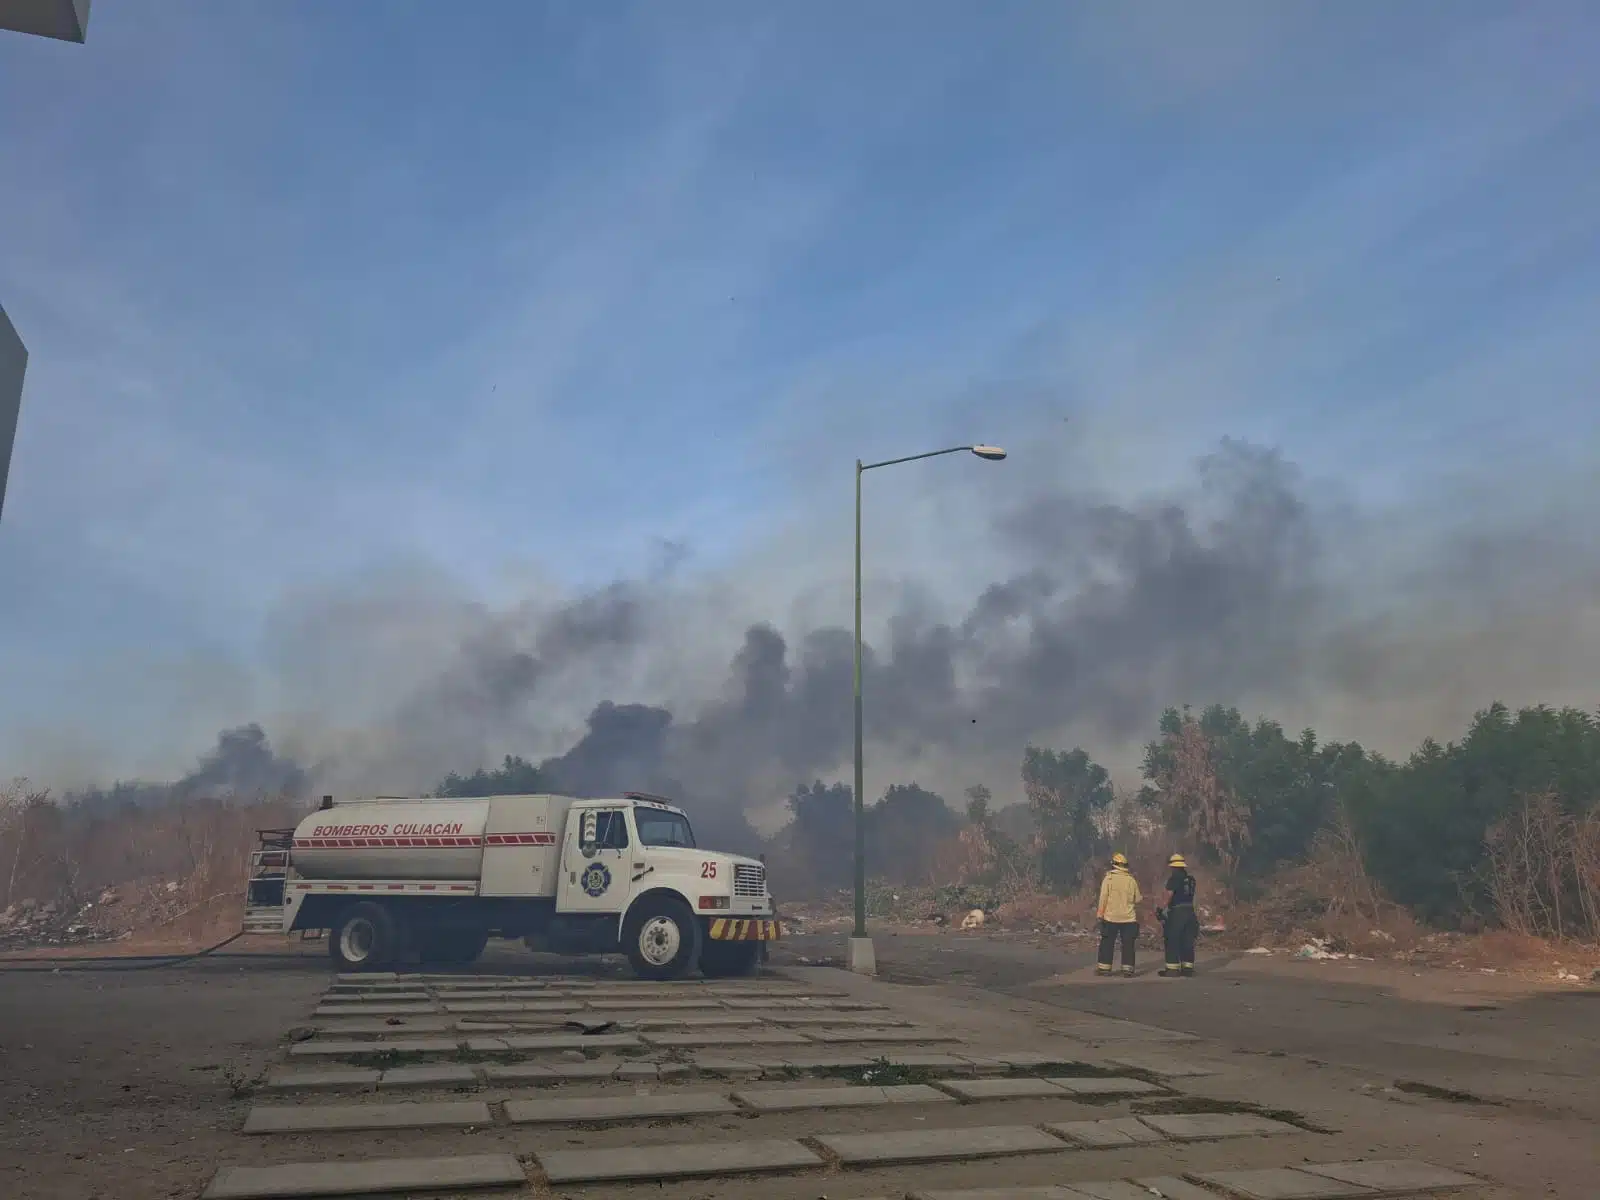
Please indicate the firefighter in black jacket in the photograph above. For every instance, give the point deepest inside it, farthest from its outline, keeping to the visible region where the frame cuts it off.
(1182, 927)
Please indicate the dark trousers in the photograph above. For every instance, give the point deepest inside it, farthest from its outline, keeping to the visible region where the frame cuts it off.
(1183, 930)
(1110, 935)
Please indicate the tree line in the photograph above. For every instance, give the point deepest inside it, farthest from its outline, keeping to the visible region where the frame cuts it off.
(1502, 825)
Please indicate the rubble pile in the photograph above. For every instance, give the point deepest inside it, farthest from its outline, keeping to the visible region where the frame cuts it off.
(111, 915)
(29, 924)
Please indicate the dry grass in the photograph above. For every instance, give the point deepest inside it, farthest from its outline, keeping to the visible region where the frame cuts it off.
(175, 870)
(1043, 908)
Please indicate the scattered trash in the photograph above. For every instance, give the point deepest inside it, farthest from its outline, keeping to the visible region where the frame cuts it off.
(1316, 948)
(1380, 935)
(112, 914)
(1258, 950)
(973, 920)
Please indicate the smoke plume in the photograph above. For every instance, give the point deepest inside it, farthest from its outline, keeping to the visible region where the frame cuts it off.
(241, 766)
(1237, 587)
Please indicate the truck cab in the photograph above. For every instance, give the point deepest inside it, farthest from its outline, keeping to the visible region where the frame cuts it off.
(633, 863)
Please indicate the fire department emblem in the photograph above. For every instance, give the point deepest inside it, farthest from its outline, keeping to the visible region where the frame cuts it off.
(595, 879)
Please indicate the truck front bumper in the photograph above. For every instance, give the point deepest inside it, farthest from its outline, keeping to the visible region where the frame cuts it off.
(746, 929)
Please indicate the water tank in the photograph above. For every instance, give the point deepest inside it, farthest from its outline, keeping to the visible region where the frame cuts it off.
(392, 839)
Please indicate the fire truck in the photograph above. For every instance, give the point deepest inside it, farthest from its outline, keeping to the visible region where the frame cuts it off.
(432, 880)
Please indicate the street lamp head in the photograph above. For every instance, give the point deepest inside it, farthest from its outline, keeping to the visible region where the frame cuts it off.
(992, 453)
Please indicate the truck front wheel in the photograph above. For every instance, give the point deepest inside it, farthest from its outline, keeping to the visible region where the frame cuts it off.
(364, 938)
(661, 938)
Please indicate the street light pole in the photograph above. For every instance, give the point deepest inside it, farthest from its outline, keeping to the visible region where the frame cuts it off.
(861, 957)
(860, 934)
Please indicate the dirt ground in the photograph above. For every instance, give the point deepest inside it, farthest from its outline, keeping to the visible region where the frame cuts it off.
(127, 1084)
(115, 1082)
(1535, 1046)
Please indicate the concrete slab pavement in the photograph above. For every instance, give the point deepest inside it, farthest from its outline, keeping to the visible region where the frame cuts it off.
(1280, 1183)
(934, 1142)
(321, 1078)
(1196, 1127)
(332, 1048)
(1094, 1135)
(1100, 1085)
(685, 1161)
(425, 1075)
(571, 1110)
(777, 1100)
(1390, 1176)
(938, 1145)
(1001, 1089)
(376, 1177)
(331, 1118)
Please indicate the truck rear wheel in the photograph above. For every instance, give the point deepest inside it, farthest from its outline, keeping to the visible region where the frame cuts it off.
(661, 938)
(452, 947)
(364, 938)
(722, 960)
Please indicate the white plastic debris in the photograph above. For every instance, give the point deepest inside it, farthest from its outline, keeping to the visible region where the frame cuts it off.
(1316, 948)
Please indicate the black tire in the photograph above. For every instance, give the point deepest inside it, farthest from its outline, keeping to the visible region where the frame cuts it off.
(364, 938)
(661, 938)
(727, 960)
(451, 947)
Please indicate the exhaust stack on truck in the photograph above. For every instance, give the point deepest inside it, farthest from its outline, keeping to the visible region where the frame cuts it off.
(437, 878)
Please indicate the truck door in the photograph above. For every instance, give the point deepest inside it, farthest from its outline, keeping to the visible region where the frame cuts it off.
(595, 861)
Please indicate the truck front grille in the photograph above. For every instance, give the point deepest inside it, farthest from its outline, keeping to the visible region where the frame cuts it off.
(749, 881)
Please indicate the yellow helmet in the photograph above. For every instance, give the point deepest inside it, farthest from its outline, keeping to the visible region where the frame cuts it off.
(1119, 859)
(1176, 861)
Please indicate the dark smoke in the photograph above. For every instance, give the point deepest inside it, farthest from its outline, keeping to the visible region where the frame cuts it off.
(1119, 612)
(500, 670)
(242, 766)
(1236, 590)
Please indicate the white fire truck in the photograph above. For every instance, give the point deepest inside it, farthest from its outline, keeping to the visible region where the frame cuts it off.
(435, 879)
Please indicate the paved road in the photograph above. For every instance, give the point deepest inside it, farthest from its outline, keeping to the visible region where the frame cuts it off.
(159, 1084)
(1541, 1050)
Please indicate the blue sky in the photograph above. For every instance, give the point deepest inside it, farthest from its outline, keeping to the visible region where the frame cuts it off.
(320, 296)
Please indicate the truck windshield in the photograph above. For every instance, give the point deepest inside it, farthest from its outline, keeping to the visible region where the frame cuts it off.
(658, 828)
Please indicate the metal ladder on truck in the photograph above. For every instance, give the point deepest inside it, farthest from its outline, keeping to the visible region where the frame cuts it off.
(269, 869)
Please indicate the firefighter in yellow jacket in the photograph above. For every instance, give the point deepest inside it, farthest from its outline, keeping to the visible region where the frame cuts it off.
(1119, 916)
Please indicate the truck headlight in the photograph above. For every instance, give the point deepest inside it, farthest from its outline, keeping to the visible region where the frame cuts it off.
(714, 902)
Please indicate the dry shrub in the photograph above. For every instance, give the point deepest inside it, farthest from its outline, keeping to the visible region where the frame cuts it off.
(181, 865)
(1330, 896)
(25, 820)
(1543, 865)
(1501, 948)
(967, 857)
